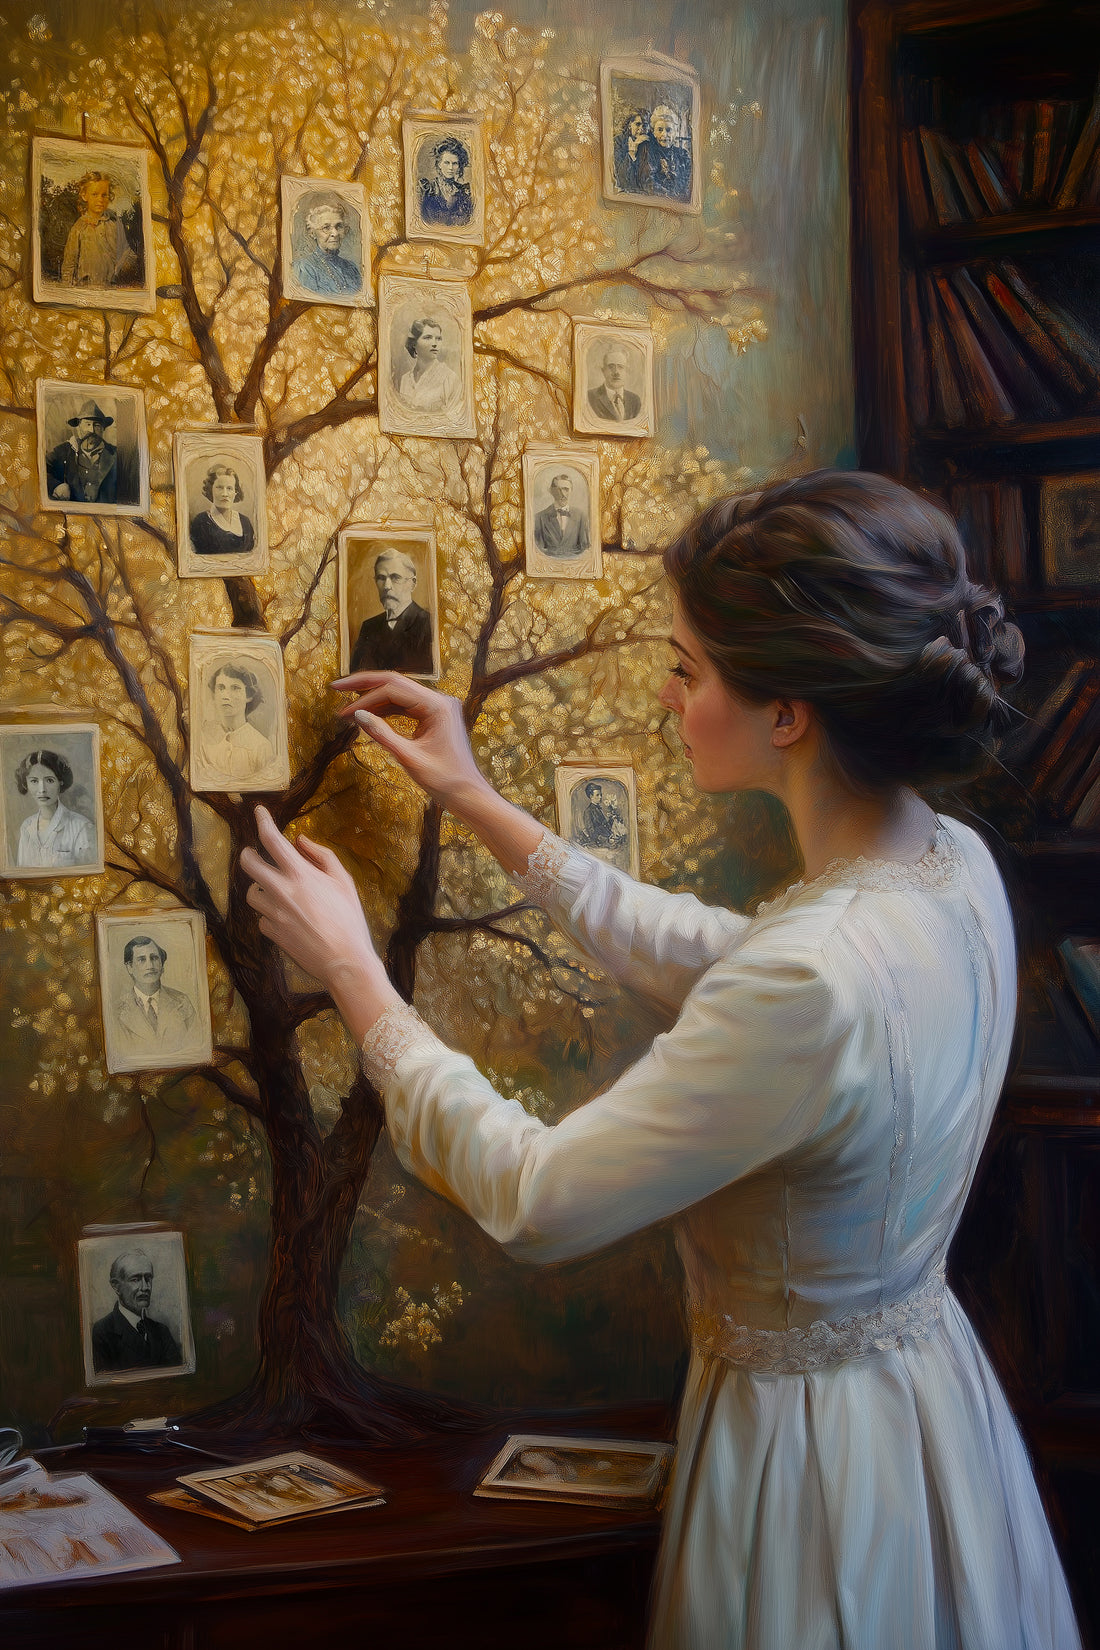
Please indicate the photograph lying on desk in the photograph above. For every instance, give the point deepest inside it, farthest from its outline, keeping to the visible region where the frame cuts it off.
(617, 1472)
(59, 1529)
(278, 1488)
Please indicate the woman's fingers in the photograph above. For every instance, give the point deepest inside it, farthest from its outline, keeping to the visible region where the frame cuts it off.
(281, 851)
(385, 690)
(254, 865)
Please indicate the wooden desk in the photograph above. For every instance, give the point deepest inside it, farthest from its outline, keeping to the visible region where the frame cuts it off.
(433, 1567)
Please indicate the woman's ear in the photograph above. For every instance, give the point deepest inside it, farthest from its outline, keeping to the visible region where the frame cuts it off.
(793, 718)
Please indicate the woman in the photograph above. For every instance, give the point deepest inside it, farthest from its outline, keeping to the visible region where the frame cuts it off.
(221, 530)
(430, 385)
(847, 1470)
(446, 198)
(230, 747)
(54, 835)
(628, 139)
(323, 269)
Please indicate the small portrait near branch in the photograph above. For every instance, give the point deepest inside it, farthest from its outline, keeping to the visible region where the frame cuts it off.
(237, 702)
(134, 1307)
(93, 453)
(91, 226)
(598, 811)
(1070, 529)
(612, 379)
(650, 115)
(51, 800)
(152, 981)
(444, 177)
(389, 608)
(426, 357)
(561, 497)
(221, 516)
(326, 241)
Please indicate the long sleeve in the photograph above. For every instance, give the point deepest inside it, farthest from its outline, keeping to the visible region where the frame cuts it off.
(657, 943)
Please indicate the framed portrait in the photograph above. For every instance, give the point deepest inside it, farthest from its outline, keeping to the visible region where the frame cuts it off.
(610, 1472)
(325, 241)
(153, 989)
(93, 451)
(91, 226)
(598, 811)
(612, 378)
(444, 177)
(389, 602)
(1069, 517)
(269, 1491)
(237, 709)
(221, 512)
(561, 513)
(426, 357)
(650, 121)
(51, 800)
(134, 1313)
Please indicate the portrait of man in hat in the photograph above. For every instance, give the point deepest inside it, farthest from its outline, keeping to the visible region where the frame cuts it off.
(91, 440)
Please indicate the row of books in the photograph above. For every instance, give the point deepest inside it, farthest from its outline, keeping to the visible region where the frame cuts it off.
(993, 524)
(984, 346)
(1040, 155)
(1056, 752)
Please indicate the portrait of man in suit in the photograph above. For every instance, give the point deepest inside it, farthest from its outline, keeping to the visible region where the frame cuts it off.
(611, 399)
(152, 1016)
(127, 1337)
(400, 637)
(561, 529)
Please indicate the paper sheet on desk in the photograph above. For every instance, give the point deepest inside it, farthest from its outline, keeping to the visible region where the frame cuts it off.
(60, 1529)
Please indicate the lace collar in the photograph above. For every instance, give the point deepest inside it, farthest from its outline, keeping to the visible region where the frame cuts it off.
(938, 868)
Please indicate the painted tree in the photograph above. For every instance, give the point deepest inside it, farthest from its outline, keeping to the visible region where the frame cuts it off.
(94, 617)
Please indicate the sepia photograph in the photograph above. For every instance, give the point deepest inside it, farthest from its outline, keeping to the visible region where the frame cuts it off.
(221, 515)
(91, 226)
(426, 357)
(561, 511)
(444, 177)
(598, 811)
(294, 1485)
(237, 706)
(325, 241)
(51, 800)
(615, 1471)
(389, 605)
(134, 1311)
(93, 452)
(1069, 529)
(612, 378)
(650, 121)
(153, 988)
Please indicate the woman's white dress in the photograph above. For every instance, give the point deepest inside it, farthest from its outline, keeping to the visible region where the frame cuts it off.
(848, 1473)
(69, 839)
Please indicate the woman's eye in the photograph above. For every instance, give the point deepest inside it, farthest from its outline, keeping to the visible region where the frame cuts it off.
(679, 672)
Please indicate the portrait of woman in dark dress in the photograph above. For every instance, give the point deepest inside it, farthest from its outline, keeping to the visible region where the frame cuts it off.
(220, 529)
(446, 198)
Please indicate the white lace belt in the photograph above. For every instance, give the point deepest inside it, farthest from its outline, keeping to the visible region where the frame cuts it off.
(796, 1351)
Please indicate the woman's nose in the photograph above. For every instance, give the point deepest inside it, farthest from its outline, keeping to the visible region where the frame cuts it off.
(669, 696)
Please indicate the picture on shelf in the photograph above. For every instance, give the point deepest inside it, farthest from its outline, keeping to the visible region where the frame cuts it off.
(612, 378)
(221, 514)
(389, 606)
(93, 452)
(598, 811)
(279, 1487)
(153, 989)
(542, 1467)
(134, 1311)
(325, 241)
(426, 357)
(650, 121)
(444, 177)
(51, 800)
(237, 699)
(1070, 529)
(91, 226)
(561, 507)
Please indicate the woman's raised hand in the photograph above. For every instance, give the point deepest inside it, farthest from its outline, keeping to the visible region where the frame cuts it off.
(438, 756)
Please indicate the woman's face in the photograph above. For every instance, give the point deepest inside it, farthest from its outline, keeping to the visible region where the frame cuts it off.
(43, 786)
(329, 229)
(230, 701)
(636, 125)
(429, 344)
(447, 165)
(223, 490)
(727, 739)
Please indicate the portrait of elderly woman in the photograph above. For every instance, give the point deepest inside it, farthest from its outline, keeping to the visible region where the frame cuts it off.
(650, 117)
(230, 745)
(425, 381)
(445, 195)
(52, 835)
(325, 221)
(221, 529)
(325, 241)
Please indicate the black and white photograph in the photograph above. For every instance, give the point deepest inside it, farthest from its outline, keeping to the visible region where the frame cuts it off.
(134, 1310)
(612, 378)
(153, 988)
(93, 451)
(389, 604)
(221, 513)
(650, 119)
(91, 226)
(426, 357)
(602, 1471)
(326, 241)
(237, 704)
(561, 509)
(1069, 523)
(598, 811)
(444, 177)
(279, 1487)
(51, 800)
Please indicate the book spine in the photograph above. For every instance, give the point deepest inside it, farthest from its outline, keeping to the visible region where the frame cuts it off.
(1010, 533)
(981, 386)
(1040, 150)
(987, 175)
(1081, 349)
(916, 355)
(1031, 334)
(1051, 756)
(1083, 151)
(947, 398)
(917, 197)
(1066, 784)
(955, 162)
(1028, 390)
(939, 179)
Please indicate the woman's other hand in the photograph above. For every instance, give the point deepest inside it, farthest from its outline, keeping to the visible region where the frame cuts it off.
(438, 756)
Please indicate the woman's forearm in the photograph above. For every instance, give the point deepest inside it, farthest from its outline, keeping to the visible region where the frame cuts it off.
(510, 834)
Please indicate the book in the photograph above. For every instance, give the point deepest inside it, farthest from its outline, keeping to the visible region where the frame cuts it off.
(1042, 347)
(1068, 782)
(1080, 960)
(59, 1528)
(946, 395)
(1087, 815)
(1025, 743)
(280, 1488)
(917, 199)
(940, 183)
(1080, 156)
(1029, 392)
(1071, 338)
(1061, 740)
(989, 178)
(605, 1472)
(1010, 534)
(918, 372)
(1040, 150)
(955, 160)
(983, 391)
(971, 504)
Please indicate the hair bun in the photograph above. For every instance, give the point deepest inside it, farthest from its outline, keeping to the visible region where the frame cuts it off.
(995, 645)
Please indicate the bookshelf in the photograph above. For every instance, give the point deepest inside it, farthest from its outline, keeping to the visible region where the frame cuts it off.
(975, 159)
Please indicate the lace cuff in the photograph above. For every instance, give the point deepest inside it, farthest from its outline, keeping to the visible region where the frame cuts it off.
(544, 867)
(392, 1035)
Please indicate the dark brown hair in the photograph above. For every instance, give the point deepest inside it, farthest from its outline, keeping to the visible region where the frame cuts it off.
(847, 590)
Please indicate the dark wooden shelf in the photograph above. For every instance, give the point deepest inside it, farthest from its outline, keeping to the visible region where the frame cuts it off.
(1017, 434)
(963, 240)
